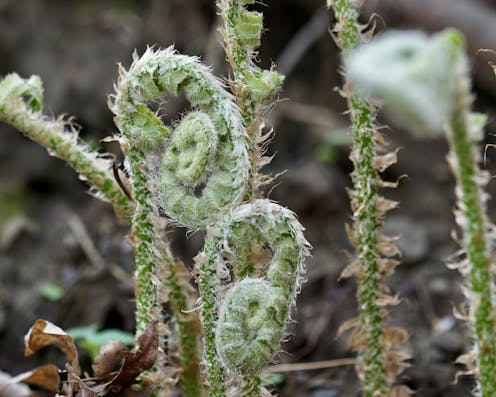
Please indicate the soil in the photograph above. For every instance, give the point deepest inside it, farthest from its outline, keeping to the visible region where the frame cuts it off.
(46, 213)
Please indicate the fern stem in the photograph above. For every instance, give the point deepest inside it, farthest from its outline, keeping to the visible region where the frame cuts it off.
(208, 291)
(364, 202)
(188, 324)
(474, 224)
(21, 105)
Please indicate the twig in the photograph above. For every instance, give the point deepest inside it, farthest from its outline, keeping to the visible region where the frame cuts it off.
(302, 41)
(312, 365)
(99, 265)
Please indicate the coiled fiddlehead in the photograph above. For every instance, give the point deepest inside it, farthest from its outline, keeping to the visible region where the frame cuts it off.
(207, 149)
(254, 312)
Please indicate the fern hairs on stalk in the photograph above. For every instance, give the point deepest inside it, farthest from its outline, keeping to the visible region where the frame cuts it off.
(262, 245)
(253, 87)
(435, 90)
(21, 103)
(380, 361)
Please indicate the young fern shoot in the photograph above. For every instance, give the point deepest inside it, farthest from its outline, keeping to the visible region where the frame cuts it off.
(424, 83)
(21, 103)
(380, 363)
(253, 87)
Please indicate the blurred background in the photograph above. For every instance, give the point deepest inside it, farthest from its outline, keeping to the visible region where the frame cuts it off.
(64, 255)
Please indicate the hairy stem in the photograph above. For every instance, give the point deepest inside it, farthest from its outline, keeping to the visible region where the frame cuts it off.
(253, 87)
(364, 201)
(188, 324)
(142, 237)
(474, 224)
(367, 226)
(20, 106)
(207, 282)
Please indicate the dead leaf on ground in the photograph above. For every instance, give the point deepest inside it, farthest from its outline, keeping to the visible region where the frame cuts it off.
(116, 368)
(45, 376)
(43, 333)
(109, 358)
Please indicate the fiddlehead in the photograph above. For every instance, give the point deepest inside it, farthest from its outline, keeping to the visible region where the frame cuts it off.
(253, 87)
(254, 312)
(207, 149)
(242, 30)
(426, 96)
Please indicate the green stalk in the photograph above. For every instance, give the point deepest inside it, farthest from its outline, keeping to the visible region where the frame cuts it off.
(366, 231)
(474, 225)
(208, 291)
(142, 238)
(253, 89)
(146, 243)
(364, 202)
(188, 325)
(21, 105)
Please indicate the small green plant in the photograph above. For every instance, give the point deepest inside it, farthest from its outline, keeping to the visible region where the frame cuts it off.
(425, 84)
(92, 339)
(203, 173)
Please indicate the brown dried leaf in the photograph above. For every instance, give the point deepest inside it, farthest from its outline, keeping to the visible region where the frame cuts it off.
(469, 360)
(387, 248)
(45, 376)
(461, 313)
(43, 333)
(390, 185)
(109, 358)
(387, 300)
(9, 387)
(396, 362)
(140, 358)
(350, 233)
(387, 266)
(358, 340)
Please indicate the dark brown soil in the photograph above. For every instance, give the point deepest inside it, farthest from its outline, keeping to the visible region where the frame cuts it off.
(75, 46)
